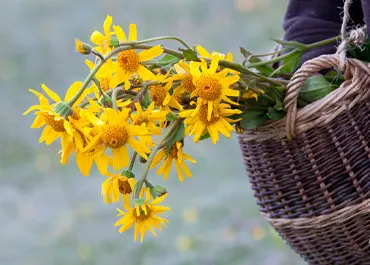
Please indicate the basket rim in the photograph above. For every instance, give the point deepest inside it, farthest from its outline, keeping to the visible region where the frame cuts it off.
(354, 90)
(324, 220)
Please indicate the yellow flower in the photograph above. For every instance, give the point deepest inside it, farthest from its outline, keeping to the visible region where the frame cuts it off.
(113, 130)
(144, 216)
(183, 73)
(175, 154)
(160, 94)
(129, 63)
(214, 55)
(55, 126)
(103, 41)
(115, 186)
(104, 75)
(149, 118)
(219, 123)
(212, 87)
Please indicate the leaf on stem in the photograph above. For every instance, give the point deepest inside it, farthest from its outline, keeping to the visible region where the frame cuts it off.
(189, 54)
(168, 60)
(315, 88)
(251, 119)
(291, 44)
(291, 63)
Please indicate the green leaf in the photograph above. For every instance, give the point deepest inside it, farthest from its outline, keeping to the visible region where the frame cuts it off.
(204, 136)
(278, 105)
(190, 55)
(291, 63)
(251, 119)
(177, 137)
(315, 88)
(244, 52)
(168, 60)
(171, 117)
(146, 100)
(292, 44)
(275, 114)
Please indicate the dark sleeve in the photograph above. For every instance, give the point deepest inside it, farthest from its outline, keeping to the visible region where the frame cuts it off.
(310, 21)
(366, 12)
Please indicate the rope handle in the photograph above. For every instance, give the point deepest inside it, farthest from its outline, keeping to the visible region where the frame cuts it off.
(313, 66)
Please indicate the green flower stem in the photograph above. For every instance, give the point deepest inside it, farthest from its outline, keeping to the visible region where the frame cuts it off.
(132, 162)
(97, 83)
(155, 39)
(114, 97)
(173, 126)
(295, 51)
(238, 67)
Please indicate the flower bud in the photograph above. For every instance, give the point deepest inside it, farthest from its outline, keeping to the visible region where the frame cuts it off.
(158, 191)
(128, 174)
(82, 47)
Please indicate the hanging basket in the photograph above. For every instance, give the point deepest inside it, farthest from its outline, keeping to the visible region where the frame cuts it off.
(310, 172)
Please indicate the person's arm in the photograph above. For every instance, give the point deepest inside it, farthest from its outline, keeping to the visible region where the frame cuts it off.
(309, 21)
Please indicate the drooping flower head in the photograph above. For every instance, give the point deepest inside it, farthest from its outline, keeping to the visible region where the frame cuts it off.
(199, 124)
(175, 155)
(143, 216)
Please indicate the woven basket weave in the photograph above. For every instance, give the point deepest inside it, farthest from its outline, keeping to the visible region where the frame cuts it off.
(310, 172)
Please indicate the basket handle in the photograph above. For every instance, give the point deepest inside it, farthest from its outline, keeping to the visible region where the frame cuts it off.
(312, 67)
(308, 69)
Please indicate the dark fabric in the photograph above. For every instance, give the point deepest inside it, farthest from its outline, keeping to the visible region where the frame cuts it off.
(309, 21)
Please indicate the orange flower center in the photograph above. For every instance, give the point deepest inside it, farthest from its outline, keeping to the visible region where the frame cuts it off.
(188, 83)
(104, 83)
(114, 136)
(124, 187)
(158, 94)
(203, 111)
(128, 61)
(209, 88)
(142, 216)
(57, 125)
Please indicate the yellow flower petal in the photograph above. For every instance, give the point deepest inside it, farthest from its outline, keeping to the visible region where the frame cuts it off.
(147, 55)
(54, 96)
(119, 33)
(133, 32)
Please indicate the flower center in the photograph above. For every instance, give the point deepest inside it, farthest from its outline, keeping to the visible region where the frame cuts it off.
(124, 187)
(173, 152)
(114, 136)
(203, 115)
(140, 121)
(104, 83)
(128, 60)
(209, 88)
(158, 94)
(142, 216)
(188, 83)
(57, 125)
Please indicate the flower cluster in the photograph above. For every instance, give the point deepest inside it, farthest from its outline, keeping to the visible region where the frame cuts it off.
(141, 102)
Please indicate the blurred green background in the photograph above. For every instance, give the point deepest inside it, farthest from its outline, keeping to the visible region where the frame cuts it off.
(50, 214)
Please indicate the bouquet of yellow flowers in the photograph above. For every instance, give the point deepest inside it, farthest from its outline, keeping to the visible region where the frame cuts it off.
(139, 102)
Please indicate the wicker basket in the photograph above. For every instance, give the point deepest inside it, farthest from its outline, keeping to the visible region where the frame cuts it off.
(315, 189)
